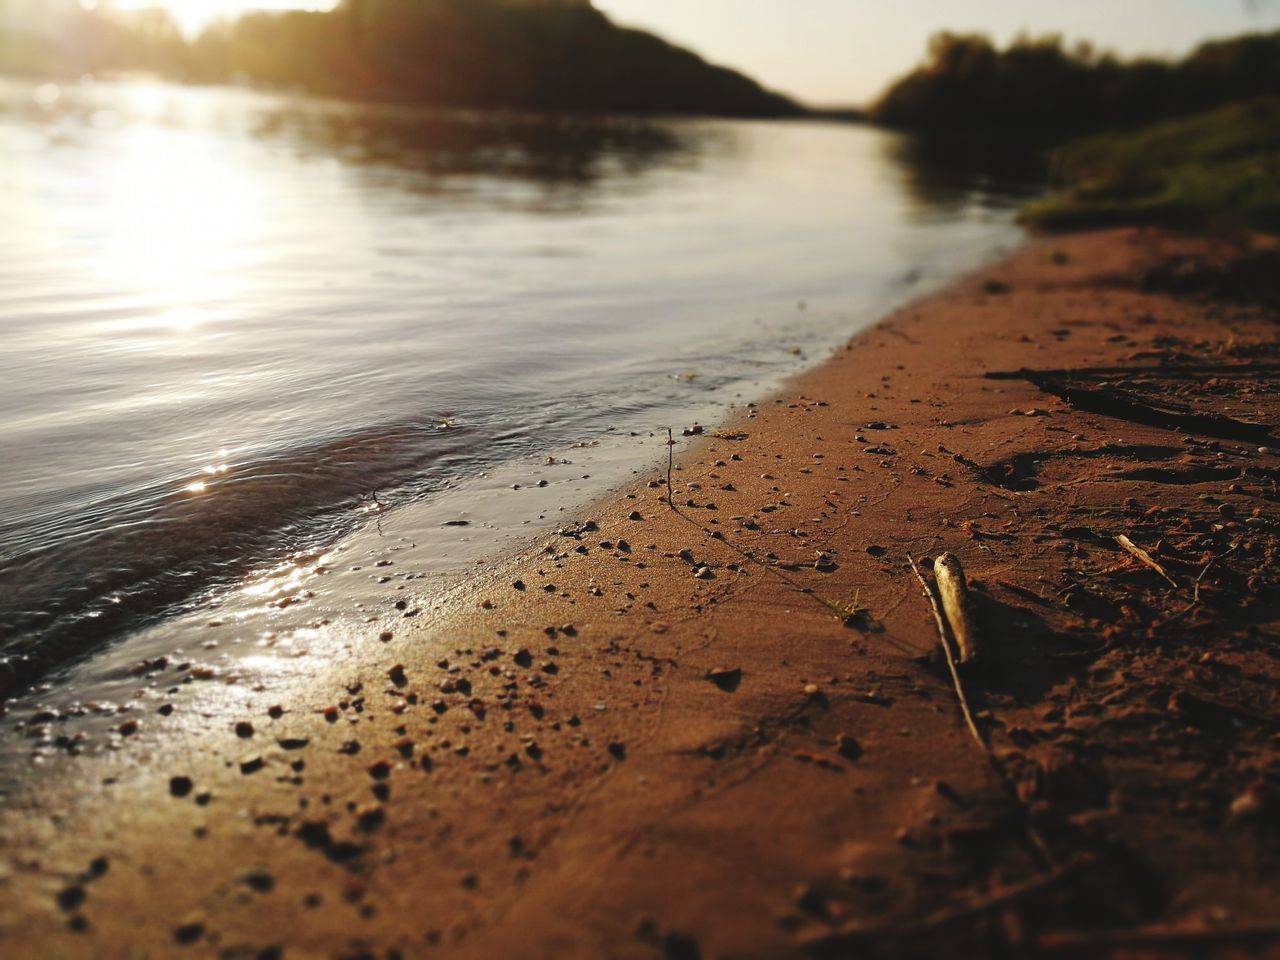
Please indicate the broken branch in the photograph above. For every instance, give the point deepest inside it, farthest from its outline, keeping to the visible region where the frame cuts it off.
(940, 620)
(1145, 558)
(956, 605)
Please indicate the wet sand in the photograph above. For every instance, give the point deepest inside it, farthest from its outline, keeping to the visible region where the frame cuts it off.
(725, 730)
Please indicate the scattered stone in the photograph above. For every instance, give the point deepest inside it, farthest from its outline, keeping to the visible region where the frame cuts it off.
(189, 932)
(726, 678)
(180, 786)
(69, 898)
(256, 878)
(370, 817)
(1249, 804)
(848, 747)
(244, 729)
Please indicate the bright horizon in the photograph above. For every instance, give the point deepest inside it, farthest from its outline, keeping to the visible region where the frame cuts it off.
(192, 16)
(840, 52)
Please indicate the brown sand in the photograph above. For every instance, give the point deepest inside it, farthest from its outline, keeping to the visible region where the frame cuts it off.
(723, 767)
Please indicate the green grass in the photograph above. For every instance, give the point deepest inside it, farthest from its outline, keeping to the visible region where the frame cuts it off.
(1216, 168)
(852, 612)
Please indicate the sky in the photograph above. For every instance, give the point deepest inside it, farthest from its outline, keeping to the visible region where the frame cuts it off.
(839, 52)
(842, 52)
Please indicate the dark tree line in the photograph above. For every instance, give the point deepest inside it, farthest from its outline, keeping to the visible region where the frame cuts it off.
(1037, 85)
(508, 54)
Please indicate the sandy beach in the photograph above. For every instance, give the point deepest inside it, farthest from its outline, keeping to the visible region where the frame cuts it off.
(721, 726)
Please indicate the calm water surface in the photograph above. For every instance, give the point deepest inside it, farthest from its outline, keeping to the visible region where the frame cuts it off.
(234, 324)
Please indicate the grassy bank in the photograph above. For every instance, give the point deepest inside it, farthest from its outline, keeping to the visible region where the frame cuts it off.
(1215, 168)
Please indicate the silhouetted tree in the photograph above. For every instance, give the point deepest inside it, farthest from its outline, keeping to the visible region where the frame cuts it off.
(1036, 85)
(511, 54)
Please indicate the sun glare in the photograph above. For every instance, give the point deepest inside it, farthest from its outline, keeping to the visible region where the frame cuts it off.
(192, 16)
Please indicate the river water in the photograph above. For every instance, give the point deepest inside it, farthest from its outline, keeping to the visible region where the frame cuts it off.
(243, 334)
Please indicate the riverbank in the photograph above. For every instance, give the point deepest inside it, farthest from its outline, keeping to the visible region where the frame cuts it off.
(723, 730)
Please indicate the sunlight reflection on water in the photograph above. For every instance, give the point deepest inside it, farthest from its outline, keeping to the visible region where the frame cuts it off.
(232, 318)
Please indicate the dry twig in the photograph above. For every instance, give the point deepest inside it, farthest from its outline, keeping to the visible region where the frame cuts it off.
(671, 456)
(940, 620)
(1144, 557)
(1036, 843)
(956, 605)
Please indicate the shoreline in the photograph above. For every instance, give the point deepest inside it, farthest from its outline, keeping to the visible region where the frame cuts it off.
(506, 506)
(642, 753)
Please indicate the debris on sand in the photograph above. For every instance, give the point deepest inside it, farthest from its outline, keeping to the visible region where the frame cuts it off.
(726, 678)
(957, 606)
(1145, 558)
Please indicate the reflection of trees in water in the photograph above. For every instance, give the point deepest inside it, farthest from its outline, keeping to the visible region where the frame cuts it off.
(556, 152)
(947, 173)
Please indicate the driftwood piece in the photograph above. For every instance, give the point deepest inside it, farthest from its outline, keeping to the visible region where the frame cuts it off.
(957, 606)
(941, 621)
(1144, 558)
(1036, 844)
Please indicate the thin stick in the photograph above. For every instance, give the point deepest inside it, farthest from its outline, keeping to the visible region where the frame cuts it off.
(946, 648)
(1195, 593)
(1037, 844)
(1144, 557)
(671, 456)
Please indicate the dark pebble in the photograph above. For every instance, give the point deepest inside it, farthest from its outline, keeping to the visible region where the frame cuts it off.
(188, 933)
(258, 879)
(71, 897)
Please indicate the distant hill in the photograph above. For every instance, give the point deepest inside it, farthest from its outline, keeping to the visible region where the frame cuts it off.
(560, 55)
(1037, 86)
